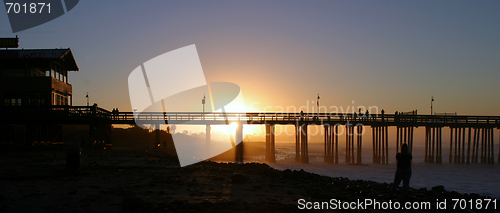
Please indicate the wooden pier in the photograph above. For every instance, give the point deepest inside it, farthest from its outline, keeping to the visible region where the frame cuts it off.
(471, 137)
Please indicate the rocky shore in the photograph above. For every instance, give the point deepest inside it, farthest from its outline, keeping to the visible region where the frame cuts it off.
(149, 181)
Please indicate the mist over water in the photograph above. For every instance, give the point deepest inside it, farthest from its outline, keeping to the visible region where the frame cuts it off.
(463, 178)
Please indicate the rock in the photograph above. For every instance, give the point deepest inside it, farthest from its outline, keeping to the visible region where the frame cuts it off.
(132, 204)
(239, 178)
(438, 188)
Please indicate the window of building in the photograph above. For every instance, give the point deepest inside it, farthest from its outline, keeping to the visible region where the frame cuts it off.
(12, 102)
(13, 73)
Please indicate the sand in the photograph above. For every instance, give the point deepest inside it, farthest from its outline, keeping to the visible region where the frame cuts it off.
(151, 181)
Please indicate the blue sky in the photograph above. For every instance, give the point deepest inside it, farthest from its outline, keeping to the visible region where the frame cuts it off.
(391, 54)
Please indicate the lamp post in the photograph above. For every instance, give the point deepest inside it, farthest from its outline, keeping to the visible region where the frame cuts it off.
(432, 100)
(203, 103)
(87, 96)
(317, 105)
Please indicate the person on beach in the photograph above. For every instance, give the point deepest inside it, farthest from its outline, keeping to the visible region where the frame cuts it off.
(403, 171)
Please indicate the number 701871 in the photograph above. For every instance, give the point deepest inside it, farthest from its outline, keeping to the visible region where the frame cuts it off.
(474, 204)
(27, 8)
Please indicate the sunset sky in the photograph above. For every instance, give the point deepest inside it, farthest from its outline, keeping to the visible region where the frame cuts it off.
(391, 54)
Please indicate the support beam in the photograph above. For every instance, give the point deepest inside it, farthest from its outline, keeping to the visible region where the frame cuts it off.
(398, 140)
(352, 144)
(426, 156)
(455, 155)
(433, 144)
(476, 158)
(347, 145)
(208, 133)
(492, 154)
(386, 145)
(463, 145)
(411, 139)
(482, 144)
(270, 143)
(474, 145)
(336, 144)
(157, 135)
(439, 159)
(451, 144)
(468, 146)
(304, 144)
(297, 143)
(238, 140)
(359, 139)
(328, 144)
(374, 147)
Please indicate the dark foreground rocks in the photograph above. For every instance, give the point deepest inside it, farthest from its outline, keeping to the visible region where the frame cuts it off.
(140, 181)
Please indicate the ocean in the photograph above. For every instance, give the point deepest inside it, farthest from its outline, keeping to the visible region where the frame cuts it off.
(463, 178)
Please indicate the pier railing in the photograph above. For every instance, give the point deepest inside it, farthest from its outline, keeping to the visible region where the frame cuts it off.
(94, 112)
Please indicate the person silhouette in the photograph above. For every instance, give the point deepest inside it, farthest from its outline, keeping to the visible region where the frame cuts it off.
(403, 171)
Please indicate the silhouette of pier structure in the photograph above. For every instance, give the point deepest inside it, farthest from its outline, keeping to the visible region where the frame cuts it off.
(471, 137)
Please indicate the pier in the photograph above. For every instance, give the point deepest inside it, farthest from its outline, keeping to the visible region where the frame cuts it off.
(471, 137)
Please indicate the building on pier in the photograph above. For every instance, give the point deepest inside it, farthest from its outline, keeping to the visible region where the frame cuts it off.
(36, 77)
(32, 81)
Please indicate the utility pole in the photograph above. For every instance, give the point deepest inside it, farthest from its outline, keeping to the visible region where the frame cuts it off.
(432, 100)
(87, 98)
(203, 103)
(317, 104)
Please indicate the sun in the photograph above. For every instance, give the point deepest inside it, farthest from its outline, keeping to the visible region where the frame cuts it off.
(232, 128)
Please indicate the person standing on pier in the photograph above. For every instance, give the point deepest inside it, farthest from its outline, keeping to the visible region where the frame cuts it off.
(403, 171)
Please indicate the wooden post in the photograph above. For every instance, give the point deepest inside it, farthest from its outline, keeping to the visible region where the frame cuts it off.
(381, 146)
(325, 141)
(468, 147)
(459, 143)
(328, 144)
(336, 144)
(486, 145)
(482, 145)
(426, 156)
(305, 152)
(272, 151)
(208, 133)
(352, 144)
(440, 155)
(238, 140)
(433, 144)
(397, 139)
(386, 145)
(268, 142)
(347, 145)
(492, 146)
(451, 143)
(157, 135)
(374, 146)
(297, 142)
(405, 138)
(473, 155)
(411, 139)
(332, 139)
(360, 141)
(476, 160)
(455, 156)
(463, 145)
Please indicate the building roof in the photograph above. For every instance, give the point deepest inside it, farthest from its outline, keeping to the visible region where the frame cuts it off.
(63, 56)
